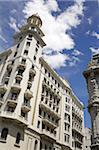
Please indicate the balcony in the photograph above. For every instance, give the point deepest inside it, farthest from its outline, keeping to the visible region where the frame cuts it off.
(26, 107)
(49, 123)
(9, 67)
(74, 128)
(22, 65)
(47, 135)
(32, 72)
(16, 87)
(3, 88)
(13, 116)
(48, 109)
(46, 85)
(77, 140)
(28, 94)
(12, 102)
(1, 101)
(19, 76)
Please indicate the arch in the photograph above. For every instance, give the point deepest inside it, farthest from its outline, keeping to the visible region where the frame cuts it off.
(4, 133)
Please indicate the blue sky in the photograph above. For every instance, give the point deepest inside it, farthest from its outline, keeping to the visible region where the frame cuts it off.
(71, 33)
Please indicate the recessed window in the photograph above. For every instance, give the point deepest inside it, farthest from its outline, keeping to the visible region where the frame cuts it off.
(38, 124)
(45, 70)
(28, 44)
(18, 81)
(36, 49)
(26, 52)
(15, 54)
(49, 74)
(18, 45)
(34, 57)
(4, 133)
(30, 35)
(10, 109)
(38, 42)
(18, 137)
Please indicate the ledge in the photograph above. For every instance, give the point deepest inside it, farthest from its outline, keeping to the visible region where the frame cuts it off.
(17, 145)
(2, 140)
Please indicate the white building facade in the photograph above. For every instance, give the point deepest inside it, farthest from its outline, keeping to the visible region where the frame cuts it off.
(38, 109)
(87, 139)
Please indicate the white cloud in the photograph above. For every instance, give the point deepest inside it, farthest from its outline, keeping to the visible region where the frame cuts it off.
(56, 60)
(13, 11)
(77, 53)
(1, 36)
(55, 28)
(95, 34)
(90, 21)
(74, 61)
(94, 50)
(13, 24)
(88, 32)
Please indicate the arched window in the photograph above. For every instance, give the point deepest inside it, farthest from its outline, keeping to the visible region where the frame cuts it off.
(18, 137)
(4, 133)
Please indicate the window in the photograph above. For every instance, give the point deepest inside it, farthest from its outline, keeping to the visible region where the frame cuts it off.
(34, 57)
(10, 109)
(66, 138)
(38, 124)
(15, 54)
(17, 81)
(28, 44)
(49, 74)
(4, 133)
(23, 114)
(14, 96)
(43, 126)
(18, 137)
(38, 42)
(26, 52)
(23, 61)
(30, 35)
(40, 111)
(35, 146)
(18, 45)
(36, 50)
(45, 71)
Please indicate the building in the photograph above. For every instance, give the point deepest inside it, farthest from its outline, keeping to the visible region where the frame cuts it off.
(38, 109)
(87, 139)
(92, 79)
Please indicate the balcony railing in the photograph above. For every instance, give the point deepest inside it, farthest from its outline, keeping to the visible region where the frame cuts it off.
(13, 116)
(12, 101)
(22, 65)
(26, 107)
(16, 87)
(28, 94)
(3, 88)
(47, 108)
(49, 123)
(32, 71)
(46, 134)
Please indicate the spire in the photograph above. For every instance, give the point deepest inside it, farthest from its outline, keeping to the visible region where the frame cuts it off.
(35, 20)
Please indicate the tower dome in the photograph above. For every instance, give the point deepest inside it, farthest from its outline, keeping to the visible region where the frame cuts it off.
(35, 20)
